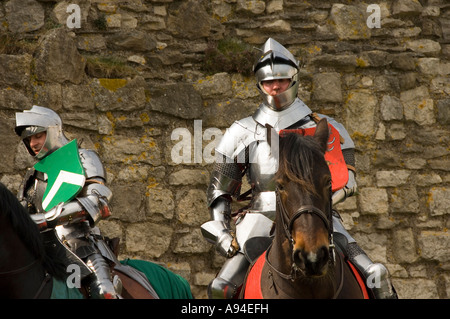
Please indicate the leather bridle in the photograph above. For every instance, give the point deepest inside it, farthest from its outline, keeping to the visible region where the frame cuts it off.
(288, 223)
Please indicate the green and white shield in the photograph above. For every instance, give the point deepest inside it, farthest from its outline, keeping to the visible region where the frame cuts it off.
(65, 175)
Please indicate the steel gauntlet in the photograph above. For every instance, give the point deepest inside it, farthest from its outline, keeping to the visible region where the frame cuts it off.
(218, 231)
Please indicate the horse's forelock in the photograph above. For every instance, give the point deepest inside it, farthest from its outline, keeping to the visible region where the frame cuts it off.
(296, 160)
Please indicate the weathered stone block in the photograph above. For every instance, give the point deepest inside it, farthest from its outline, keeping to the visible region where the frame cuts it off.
(360, 105)
(10, 141)
(131, 150)
(327, 87)
(58, 60)
(149, 238)
(392, 178)
(160, 201)
(406, 7)
(251, 6)
(191, 21)
(405, 200)
(374, 245)
(13, 99)
(349, 22)
(118, 94)
(440, 85)
(404, 247)
(426, 46)
(391, 108)
(439, 201)
(443, 114)
(24, 15)
(375, 58)
(373, 201)
(407, 288)
(418, 106)
(77, 98)
(192, 243)
(218, 84)
(126, 203)
(132, 40)
(192, 207)
(434, 245)
(186, 103)
(189, 177)
(15, 69)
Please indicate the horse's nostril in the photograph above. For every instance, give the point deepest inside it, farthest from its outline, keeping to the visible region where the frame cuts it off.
(324, 253)
(312, 263)
(299, 259)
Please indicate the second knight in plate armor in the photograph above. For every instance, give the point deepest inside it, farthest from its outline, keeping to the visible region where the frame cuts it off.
(244, 151)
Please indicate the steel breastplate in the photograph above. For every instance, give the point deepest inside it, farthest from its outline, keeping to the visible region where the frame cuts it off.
(261, 174)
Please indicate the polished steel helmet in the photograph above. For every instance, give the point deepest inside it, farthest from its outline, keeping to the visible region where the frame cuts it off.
(276, 62)
(40, 119)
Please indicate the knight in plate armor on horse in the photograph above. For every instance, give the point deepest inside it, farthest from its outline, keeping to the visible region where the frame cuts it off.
(246, 150)
(65, 193)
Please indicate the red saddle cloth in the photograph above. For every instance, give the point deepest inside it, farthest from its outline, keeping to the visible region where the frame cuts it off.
(253, 283)
(333, 156)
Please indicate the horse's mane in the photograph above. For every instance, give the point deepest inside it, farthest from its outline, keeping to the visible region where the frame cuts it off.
(28, 231)
(297, 155)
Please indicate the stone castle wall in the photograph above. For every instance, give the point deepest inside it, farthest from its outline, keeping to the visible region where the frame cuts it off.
(136, 79)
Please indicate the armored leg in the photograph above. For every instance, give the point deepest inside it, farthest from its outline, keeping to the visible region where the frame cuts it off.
(376, 275)
(84, 243)
(101, 285)
(229, 279)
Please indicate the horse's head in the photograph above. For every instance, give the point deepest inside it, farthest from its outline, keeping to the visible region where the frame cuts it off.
(304, 199)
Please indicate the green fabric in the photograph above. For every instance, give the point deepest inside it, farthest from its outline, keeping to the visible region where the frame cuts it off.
(61, 291)
(167, 284)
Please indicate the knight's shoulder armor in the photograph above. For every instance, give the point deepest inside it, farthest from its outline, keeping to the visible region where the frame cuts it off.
(347, 140)
(240, 135)
(92, 164)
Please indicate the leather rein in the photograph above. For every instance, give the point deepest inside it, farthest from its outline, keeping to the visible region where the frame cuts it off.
(288, 223)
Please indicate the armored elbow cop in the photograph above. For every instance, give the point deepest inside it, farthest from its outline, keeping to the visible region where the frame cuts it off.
(95, 203)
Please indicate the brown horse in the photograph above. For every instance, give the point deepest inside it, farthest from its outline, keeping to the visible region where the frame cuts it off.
(29, 270)
(302, 261)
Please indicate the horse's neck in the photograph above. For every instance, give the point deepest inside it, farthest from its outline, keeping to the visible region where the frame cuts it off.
(22, 274)
(25, 285)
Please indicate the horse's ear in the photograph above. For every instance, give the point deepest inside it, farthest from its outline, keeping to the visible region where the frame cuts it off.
(322, 133)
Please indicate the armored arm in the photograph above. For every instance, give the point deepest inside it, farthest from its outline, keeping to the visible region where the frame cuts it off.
(225, 183)
(351, 187)
(91, 204)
